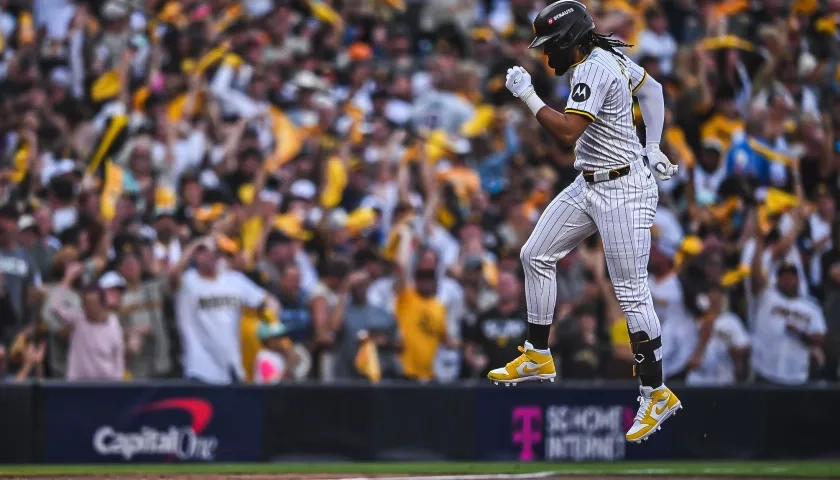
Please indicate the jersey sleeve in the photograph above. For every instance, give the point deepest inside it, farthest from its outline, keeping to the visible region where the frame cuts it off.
(737, 334)
(251, 295)
(817, 324)
(590, 85)
(638, 75)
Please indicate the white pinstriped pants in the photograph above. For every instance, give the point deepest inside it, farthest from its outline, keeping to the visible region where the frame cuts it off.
(622, 211)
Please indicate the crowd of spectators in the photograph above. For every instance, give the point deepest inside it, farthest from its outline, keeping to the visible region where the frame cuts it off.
(361, 162)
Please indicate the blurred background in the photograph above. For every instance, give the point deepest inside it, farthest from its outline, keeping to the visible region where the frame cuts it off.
(311, 141)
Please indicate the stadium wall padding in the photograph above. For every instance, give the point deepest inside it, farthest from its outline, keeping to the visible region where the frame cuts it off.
(56, 422)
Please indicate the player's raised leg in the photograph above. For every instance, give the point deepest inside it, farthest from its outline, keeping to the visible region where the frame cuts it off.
(562, 226)
(626, 209)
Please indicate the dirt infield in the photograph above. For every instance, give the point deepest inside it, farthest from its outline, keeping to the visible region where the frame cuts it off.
(361, 477)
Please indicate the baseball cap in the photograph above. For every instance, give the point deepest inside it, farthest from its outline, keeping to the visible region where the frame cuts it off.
(111, 280)
(26, 222)
(266, 331)
(303, 189)
(787, 267)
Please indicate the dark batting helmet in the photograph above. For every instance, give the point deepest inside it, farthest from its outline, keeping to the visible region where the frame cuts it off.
(560, 27)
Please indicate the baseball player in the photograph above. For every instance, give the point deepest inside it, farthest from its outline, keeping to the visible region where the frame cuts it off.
(614, 195)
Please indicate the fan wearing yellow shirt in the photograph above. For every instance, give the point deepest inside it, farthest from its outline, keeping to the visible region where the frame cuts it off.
(421, 318)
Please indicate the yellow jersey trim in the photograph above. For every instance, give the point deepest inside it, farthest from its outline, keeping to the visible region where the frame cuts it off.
(582, 59)
(641, 82)
(582, 113)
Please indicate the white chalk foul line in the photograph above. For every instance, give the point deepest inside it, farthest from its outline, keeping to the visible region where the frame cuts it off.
(514, 476)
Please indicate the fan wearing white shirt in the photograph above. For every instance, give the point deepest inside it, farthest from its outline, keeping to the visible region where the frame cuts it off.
(722, 345)
(678, 327)
(656, 41)
(780, 248)
(789, 328)
(709, 173)
(208, 307)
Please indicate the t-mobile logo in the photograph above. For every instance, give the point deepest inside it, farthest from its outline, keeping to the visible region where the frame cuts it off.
(527, 430)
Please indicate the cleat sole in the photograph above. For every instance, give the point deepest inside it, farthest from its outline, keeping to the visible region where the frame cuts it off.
(517, 381)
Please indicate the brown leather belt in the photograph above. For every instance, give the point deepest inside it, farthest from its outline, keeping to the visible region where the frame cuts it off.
(598, 177)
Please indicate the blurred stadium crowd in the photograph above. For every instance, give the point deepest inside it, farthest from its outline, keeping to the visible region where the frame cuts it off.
(362, 163)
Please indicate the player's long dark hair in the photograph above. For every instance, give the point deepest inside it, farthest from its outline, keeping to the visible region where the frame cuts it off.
(606, 42)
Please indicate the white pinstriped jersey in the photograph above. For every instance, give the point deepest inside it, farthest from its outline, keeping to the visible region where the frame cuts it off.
(602, 90)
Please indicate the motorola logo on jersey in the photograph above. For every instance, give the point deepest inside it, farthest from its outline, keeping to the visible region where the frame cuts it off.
(581, 92)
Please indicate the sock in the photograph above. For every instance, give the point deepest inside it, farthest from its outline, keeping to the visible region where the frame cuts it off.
(652, 376)
(538, 335)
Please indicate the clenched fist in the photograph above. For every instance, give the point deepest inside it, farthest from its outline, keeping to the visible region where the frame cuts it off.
(518, 81)
(659, 162)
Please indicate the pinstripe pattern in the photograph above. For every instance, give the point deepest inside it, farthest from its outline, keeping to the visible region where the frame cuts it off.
(610, 141)
(622, 210)
(561, 227)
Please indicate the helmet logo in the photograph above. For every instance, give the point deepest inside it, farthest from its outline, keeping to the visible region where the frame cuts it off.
(560, 15)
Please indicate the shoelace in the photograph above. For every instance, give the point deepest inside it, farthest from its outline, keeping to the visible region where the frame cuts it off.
(644, 405)
(518, 361)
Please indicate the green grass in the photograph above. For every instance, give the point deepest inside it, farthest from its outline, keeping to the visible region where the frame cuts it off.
(816, 469)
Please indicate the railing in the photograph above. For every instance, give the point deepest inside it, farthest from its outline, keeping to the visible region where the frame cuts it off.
(171, 421)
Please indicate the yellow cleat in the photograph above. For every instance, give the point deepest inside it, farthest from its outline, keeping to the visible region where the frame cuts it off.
(655, 406)
(530, 366)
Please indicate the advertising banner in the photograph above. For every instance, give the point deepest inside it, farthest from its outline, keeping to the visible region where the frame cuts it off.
(559, 424)
(152, 424)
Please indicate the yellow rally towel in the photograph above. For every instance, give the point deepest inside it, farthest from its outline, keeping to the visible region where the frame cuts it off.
(690, 246)
(106, 87)
(779, 201)
(396, 4)
(250, 233)
(721, 128)
(165, 198)
(723, 211)
(480, 122)
(734, 276)
(826, 25)
(490, 272)
(770, 153)
(249, 321)
(26, 30)
(210, 212)
(367, 360)
(727, 41)
(438, 146)
(112, 188)
(230, 16)
(175, 108)
(227, 245)
(360, 220)
(138, 100)
(336, 181)
(292, 226)
(109, 142)
(805, 7)
(325, 13)
(287, 138)
(20, 163)
(389, 251)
